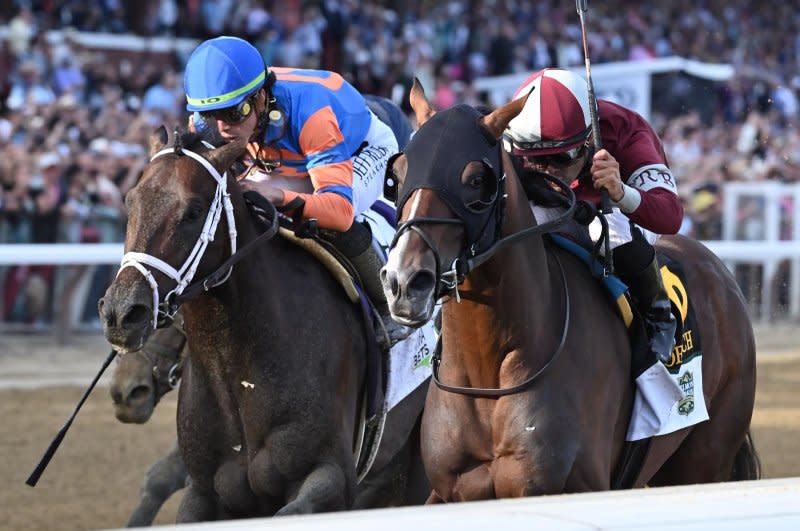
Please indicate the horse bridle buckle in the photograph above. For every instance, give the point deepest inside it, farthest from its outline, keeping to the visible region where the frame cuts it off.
(451, 279)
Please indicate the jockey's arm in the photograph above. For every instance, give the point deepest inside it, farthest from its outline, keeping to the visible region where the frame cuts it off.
(651, 201)
(331, 170)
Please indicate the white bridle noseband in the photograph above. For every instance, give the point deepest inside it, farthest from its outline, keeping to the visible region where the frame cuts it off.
(185, 274)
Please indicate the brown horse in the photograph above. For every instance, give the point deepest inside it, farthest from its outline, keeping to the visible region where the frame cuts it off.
(269, 404)
(535, 389)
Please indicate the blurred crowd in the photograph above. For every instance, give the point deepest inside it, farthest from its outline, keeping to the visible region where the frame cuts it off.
(74, 123)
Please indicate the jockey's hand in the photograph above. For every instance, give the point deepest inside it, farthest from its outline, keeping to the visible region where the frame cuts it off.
(605, 174)
(273, 194)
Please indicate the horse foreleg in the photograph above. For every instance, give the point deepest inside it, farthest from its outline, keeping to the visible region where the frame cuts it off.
(433, 498)
(161, 480)
(198, 506)
(326, 488)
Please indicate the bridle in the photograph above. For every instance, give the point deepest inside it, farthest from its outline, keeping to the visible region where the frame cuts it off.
(472, 256)
(184, 275)
(170, 376)
(164, 311)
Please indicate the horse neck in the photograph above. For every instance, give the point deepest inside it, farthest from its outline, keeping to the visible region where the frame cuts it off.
(513, 299)
(216, 321)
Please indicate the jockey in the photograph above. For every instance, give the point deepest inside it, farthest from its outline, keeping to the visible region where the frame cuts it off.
(312, 143)
(552, 135)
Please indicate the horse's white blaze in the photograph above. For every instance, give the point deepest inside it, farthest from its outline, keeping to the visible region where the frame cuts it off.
(393, 260)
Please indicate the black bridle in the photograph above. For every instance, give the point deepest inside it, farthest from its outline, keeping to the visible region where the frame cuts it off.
(471, 256)
(474, 254)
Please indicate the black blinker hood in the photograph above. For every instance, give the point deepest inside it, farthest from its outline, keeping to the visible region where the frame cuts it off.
(437, 155)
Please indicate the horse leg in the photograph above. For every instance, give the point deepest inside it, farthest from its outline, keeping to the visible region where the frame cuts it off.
(325, 489)
(198, 506)
(433, 499)
(166, 476)
(710, 450)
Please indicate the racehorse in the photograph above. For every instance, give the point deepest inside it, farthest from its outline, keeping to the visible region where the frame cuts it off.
(269, 404)
(534, 391)
(142, 378)
(139, 381)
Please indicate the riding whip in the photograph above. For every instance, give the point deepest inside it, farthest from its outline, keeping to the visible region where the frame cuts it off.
(51, 450)
(583, 6)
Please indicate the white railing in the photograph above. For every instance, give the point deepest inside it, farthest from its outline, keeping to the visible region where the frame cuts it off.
(764, 504)
(777, 239)
(768, 254)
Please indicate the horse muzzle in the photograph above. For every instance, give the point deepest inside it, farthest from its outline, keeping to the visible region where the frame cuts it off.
(409, 295)
(127, 319)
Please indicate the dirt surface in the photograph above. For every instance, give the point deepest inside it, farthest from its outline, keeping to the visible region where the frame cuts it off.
(93, 480)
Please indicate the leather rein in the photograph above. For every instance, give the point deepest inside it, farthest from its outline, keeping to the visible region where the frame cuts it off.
(449, 281)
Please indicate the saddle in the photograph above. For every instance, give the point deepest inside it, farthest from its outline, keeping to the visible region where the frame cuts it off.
(327, 258)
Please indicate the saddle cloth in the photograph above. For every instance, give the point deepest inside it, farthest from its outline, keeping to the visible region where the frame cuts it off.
(409, 361)
(669, 396)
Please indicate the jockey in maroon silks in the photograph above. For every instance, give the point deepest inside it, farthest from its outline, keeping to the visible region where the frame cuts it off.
(552, 134)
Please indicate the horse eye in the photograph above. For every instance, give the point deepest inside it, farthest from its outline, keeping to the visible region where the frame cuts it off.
(192, 214)
(476, 181)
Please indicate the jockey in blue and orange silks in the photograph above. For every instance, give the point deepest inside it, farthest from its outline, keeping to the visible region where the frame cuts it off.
(311, 137)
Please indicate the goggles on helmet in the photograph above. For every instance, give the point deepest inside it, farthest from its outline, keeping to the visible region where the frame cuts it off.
(231, 115)
(562, 159)
(548, 144)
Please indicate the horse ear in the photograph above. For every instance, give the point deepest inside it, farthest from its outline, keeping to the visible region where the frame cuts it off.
(497, 121)
(223, 157)
(158, 139)
(422, 107)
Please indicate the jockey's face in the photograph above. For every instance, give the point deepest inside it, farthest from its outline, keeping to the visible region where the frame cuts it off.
(565, 166)
(234, 124)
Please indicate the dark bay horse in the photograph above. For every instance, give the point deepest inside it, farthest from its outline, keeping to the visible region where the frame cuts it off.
(269, 403)
(525, 317)
(139, 381)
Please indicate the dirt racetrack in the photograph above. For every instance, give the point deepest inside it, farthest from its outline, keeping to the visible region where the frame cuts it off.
(93, 480)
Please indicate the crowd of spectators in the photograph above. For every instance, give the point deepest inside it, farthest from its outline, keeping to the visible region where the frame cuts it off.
(74, 122)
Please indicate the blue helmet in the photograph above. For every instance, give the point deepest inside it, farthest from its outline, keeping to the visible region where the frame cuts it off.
(222, 72)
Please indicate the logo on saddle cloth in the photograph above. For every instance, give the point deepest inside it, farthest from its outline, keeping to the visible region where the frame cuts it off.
(687, 340)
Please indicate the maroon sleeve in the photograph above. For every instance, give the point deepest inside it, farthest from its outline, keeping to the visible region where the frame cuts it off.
(660, 211)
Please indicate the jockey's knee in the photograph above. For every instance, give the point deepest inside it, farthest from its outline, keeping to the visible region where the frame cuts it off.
(353, 241)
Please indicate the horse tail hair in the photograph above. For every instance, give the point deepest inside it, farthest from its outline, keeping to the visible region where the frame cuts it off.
(746, 464)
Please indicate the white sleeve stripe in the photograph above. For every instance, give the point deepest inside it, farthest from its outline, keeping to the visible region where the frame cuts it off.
(630, 201)
(653, 176)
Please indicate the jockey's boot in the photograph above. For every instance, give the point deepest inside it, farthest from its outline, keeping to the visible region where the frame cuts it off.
(651, 298)
(356, 244)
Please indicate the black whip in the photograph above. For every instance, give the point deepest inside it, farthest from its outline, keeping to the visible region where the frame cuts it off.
(51, 450)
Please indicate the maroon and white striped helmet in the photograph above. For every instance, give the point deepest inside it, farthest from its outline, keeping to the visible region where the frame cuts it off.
(555, 118)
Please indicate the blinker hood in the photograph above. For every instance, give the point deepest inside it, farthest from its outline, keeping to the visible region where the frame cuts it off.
(437, 155)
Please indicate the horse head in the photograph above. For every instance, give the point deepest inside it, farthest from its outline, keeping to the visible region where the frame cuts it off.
(450, 185)
(142, 378)
(173, 213)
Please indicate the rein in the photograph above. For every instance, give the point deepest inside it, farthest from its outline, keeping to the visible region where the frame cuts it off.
(164, 311)
(469, 260)
(482, 392)
(449, 280)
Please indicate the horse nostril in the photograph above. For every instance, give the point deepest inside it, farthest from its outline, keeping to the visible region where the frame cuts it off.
(389, 280)
(107, 313)
(140, 392)
(421, 283)
(116, 395)
(136, 315)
